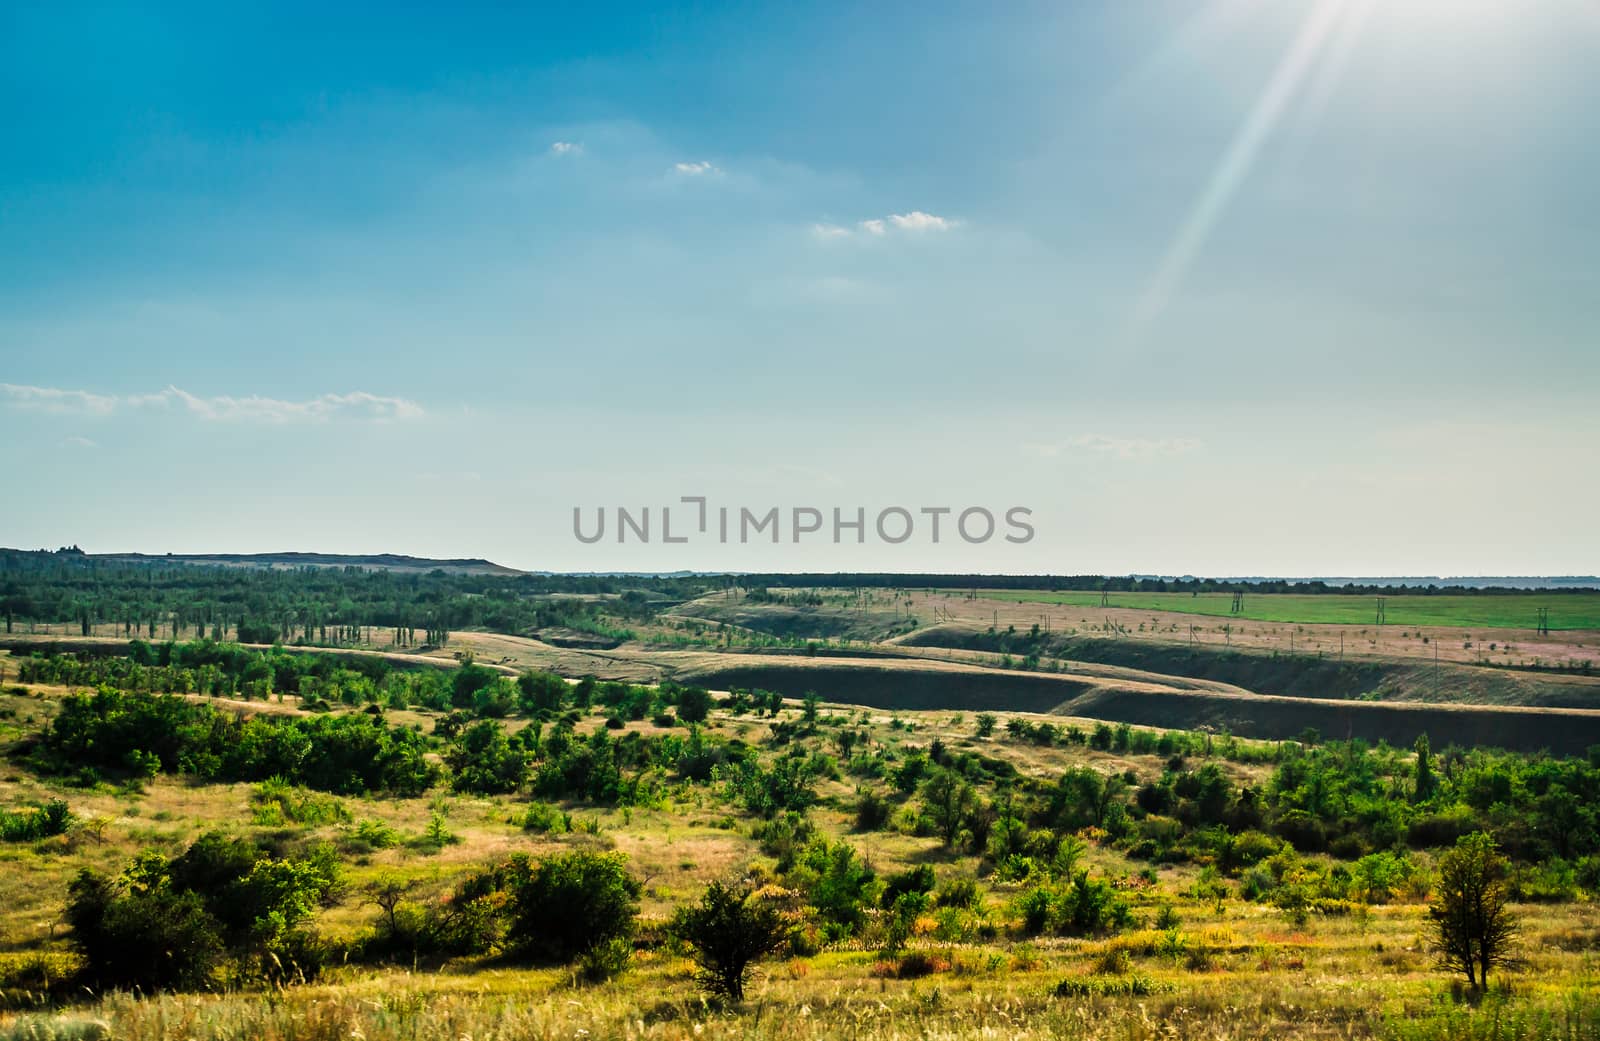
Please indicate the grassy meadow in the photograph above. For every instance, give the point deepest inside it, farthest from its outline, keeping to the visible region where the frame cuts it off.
(1197, 957)
(1568, 611)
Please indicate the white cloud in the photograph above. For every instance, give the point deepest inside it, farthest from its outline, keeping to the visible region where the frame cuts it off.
(913, 223)
(358, 405)
(1133, 447)
(77, 442)
(916, 220)
(698, 169)
(565, 148)
(51, 399)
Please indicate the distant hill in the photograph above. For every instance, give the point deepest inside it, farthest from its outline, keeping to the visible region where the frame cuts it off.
(368, 561)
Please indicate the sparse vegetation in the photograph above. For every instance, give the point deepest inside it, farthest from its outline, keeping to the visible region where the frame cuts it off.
(487, 825)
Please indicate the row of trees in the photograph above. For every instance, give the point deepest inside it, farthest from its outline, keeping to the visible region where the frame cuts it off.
(314, 604)
(143, 735)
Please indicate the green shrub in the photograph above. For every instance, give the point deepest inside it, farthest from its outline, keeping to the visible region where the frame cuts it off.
(728, 932)
(958, 892)
(169, 924)
(545, 818)
(872, 811)
(53, 818)
(571, 903)
(275, 801)
(368, 835)
(482, 759)
(839, 884)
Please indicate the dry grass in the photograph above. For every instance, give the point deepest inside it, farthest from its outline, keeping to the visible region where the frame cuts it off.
(1244, 973)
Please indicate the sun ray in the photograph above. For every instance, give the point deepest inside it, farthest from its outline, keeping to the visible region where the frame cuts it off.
(1234, 167)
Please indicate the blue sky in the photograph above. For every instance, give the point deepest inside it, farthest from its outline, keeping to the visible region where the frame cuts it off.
(1227, 287)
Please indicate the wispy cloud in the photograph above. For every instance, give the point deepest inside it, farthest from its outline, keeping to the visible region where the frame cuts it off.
(914, 223)
(52, 399)
(1119, 447)
(77, 442)
(357, 405)
(916, 220)
(829, 231)
(697, 169)
(566, 148)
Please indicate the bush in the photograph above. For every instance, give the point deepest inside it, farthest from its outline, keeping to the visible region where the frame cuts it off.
(728, 933)
(872, 811)
(153, 939)
(542, 817)
(50, 819)
(918, 880)
(958, 892)
(838, 883)
(369, 835)
(1248, 849)
(483, 760)
(605, 960)
(1086, 907)
(1036, 908)
(1091, 907)
(169, 924)
(276, 802)
(570, 904)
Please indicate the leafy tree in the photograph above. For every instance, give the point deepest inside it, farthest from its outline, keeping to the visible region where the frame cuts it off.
(1425, 783)
(541, 692)
(839, 883)
(728, 932)
(468, 681)
(948, 800)
(694, 704)
(1472, 926)
(484, 760)
(986, 724)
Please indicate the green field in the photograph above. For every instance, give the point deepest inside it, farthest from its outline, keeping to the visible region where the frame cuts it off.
(1501, 611)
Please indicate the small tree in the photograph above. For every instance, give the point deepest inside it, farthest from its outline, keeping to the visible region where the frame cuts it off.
(1471, 924)
(694, 704)
(986, 724)
(948, 799)
(1426, 783)
(728, 933)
